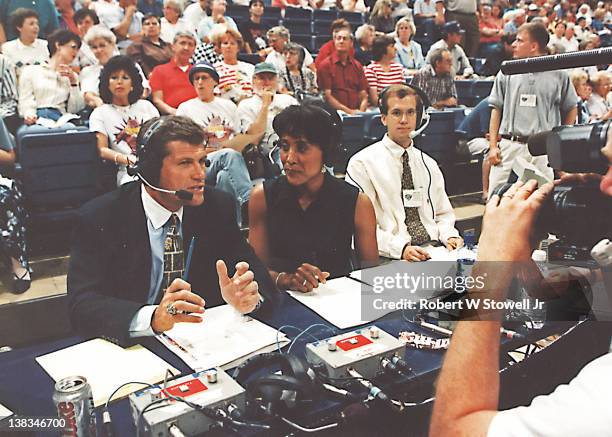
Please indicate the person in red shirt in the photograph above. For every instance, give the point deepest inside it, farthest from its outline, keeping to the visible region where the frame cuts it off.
(328, 48)
(170, 82)
(341, 77)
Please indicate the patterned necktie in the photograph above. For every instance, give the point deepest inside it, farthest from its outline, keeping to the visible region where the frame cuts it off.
(415, 227)
(173, 254)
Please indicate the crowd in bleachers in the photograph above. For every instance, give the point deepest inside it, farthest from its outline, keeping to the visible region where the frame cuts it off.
(117, 64)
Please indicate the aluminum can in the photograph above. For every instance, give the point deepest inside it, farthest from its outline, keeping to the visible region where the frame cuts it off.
(74, 403)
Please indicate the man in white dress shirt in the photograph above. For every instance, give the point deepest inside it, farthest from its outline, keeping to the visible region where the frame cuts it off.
(404, 184)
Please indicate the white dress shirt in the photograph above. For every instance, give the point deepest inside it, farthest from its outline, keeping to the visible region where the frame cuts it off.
(377, 170)
(157, 216)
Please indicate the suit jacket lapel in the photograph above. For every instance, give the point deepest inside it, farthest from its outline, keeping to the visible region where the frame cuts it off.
(136, 243)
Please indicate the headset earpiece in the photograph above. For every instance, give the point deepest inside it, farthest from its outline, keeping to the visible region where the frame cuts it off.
(423, 104)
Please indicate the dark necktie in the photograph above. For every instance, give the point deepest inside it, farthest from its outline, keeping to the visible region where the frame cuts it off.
(173, 254)
(415, 227)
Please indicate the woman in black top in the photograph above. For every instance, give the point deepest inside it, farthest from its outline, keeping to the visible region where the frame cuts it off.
(303, 223)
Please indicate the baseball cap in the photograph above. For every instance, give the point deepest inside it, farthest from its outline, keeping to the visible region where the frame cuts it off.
(452, 27)
(264, 67)
(203, 67)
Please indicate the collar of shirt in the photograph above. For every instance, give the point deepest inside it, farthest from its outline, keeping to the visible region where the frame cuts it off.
(395, 149)
(336, 59)
(157, 214)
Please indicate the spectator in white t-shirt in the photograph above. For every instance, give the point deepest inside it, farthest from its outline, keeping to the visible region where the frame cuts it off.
(234, 75)
(195, 12)
(27, 49)
(217, 16)
(598, 104)
(265, 102)
(224, 140)
(172, 22)
(118, 121)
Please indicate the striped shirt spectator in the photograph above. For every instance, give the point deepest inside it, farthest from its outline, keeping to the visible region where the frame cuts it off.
(380, 78)
(235, 80)
(8, 88)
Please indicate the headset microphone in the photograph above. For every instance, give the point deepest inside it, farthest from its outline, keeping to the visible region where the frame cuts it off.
(181, 194)
(424, 123)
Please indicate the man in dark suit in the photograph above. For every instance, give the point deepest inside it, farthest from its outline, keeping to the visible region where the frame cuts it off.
(116, 274)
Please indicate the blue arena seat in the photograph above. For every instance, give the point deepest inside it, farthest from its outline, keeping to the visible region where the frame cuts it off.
(375, 130)
(353, 139)
(322, 27)
(58, 169)
(480, 90)
(464, 92)
(303, 40)
(355, 18)
(237, 12)
(272, 12)
(324, 15)
(439, 140)
(320, 40)
(298, 26)
(297, 14)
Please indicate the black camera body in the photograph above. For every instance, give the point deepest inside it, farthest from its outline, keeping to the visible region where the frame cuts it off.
(579, 215)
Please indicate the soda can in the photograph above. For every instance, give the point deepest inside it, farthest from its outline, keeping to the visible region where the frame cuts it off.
(74, 403)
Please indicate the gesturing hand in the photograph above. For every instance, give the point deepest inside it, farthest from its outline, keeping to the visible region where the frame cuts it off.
(178, 296)
(241, 291)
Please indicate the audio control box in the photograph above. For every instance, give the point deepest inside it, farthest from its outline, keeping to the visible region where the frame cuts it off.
(360, 350)
(212, 388)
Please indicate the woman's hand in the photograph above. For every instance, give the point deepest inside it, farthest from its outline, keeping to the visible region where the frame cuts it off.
(304, 279)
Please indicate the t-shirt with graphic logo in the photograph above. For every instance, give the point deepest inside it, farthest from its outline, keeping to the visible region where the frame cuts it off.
(218, 118)
(121, 125)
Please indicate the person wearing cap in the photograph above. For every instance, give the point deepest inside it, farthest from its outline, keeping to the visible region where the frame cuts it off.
(170, 82)
(464, 12)
(451, 37)
(252, 111)
(224, 141)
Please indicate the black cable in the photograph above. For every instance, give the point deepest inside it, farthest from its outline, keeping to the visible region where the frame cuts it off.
(433, 212)
(353, 179)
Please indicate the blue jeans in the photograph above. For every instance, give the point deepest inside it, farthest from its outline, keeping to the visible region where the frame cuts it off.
(228, 172)
(50, 113)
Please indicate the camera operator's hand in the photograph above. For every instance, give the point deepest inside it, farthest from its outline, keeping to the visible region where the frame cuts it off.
(494, 156)
(508, 222)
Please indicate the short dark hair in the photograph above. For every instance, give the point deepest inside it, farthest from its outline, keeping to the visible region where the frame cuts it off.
(147, 16)
(400, 91)
(61, 37)
(171, 128)
(537, 33)
(113, 65)
(340, 23)
(315, 123)
(19, 15)
(82, 13)
(379, 46)
(252, 2)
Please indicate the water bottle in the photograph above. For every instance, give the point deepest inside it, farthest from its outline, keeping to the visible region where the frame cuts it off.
(466, 255)
(536, 310)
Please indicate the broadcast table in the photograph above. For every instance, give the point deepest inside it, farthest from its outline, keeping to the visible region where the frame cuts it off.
(26, 389)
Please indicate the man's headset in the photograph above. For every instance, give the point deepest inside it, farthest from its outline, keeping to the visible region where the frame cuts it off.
(423, 105)
(277, 394)
(142, 152)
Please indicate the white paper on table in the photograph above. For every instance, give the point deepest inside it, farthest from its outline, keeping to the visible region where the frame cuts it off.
(372, 271)
(5, 412)
(338, 301)
(223, 339)
(441, 253)
(106, 366)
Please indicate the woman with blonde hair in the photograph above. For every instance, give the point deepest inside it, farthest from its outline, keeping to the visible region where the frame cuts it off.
(381, 17)
(234, 75)
(409, 52)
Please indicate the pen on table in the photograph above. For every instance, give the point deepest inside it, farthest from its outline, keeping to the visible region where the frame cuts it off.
(435, 328)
